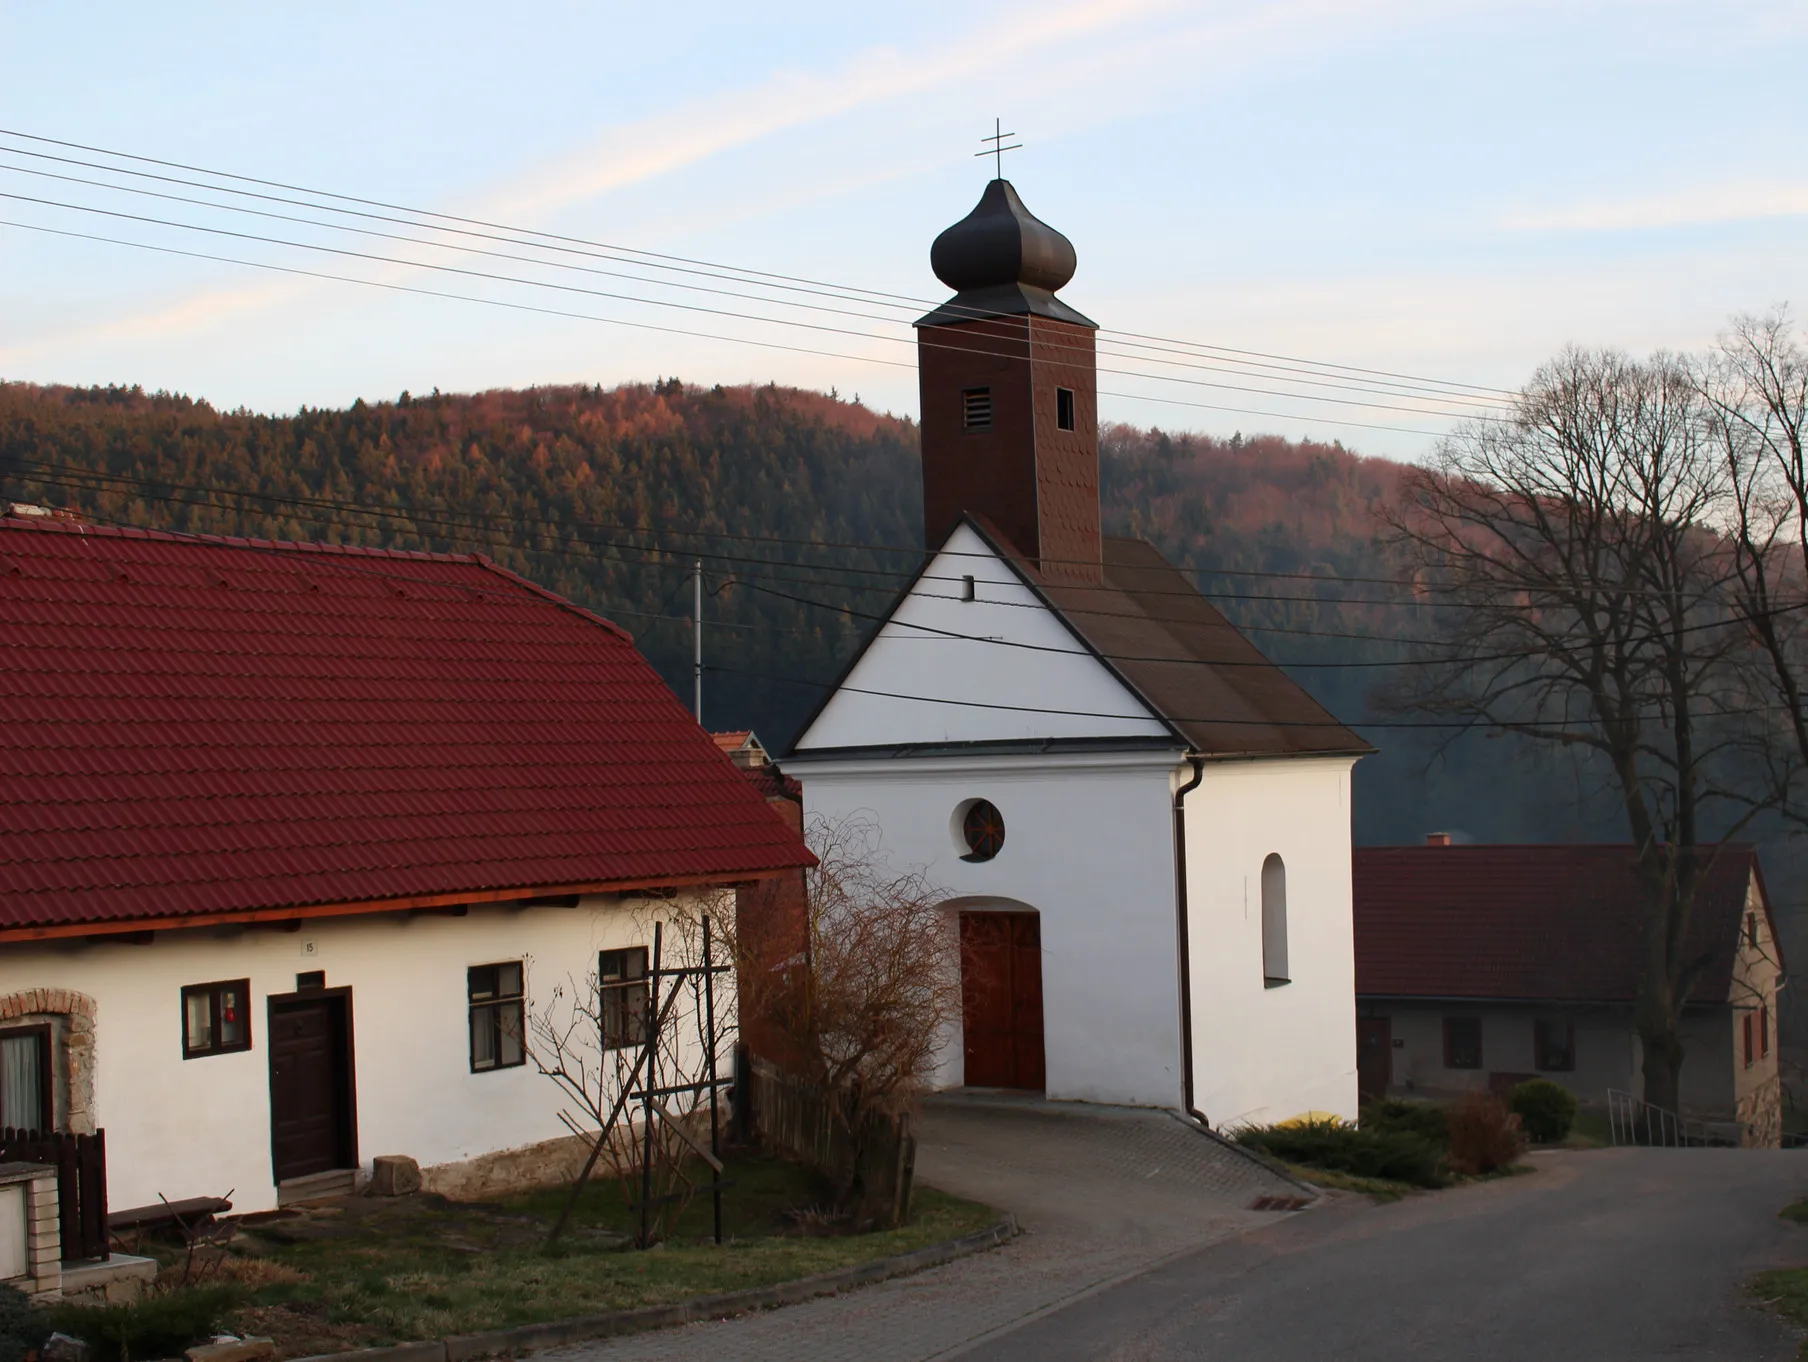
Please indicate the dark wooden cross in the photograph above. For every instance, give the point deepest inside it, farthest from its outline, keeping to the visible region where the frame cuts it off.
(998, 148)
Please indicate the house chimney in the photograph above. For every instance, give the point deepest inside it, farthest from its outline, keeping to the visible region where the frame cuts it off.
(1009, 391)
(1437, 839)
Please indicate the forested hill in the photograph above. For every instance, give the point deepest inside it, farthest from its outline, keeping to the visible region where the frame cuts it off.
(805, 511)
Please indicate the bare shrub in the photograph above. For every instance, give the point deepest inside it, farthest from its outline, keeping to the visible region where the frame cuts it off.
(596, 1040)
(1484, 1135)
(863, 1012)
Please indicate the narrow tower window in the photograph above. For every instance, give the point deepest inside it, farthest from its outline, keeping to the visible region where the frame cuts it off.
(976, 406)
(1274, 922)
(1064, 409)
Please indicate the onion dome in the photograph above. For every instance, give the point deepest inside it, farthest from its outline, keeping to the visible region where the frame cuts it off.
(1002, 260)
(1002, 242)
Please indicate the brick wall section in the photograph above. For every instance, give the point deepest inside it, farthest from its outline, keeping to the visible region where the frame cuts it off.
(43, 1239)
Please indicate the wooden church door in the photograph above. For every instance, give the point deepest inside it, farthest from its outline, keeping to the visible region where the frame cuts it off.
(1001, 1000)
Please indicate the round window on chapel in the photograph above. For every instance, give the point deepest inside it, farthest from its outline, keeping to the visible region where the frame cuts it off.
(982, 829)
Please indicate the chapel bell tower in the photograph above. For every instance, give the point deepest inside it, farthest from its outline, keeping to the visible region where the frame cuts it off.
(1010, 390)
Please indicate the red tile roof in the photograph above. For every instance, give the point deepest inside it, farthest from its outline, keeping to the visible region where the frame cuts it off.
(1532, 922)
(200, 727)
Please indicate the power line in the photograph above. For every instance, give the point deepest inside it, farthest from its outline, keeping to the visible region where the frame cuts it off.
(742, 578)
(494, 277)
(890, 574)
(1410, 393)
(448, 517)
(641, 326)
(663, 260)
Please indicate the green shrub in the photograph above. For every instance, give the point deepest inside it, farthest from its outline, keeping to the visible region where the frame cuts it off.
(163, 1324)
(1484, 1134)
(1397, 1156)
(1547, 1110)
(23, 1327)
(1424, 1119)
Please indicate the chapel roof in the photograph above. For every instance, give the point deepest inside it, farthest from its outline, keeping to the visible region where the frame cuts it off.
(1002, 260)
(1195, 669)
(204, 728)
(1553, 923)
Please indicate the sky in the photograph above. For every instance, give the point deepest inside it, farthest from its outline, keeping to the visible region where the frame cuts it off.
(1438, 190)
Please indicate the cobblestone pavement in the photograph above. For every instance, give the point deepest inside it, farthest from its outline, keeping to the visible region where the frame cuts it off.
(1100, 1192)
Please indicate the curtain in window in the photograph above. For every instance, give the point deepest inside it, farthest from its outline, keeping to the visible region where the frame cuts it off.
(21, 1082)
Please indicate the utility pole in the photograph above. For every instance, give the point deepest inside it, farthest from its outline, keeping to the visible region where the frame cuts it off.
(698, 617)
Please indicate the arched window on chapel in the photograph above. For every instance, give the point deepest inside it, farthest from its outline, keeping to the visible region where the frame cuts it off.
(1274, 922)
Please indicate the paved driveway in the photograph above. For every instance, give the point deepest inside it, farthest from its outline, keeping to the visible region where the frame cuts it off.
(1605, 1255)
(1101, 1193)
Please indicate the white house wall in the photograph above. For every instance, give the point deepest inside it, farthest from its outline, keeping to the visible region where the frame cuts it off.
(192, 1127)
(1266, 1054)
(1089, 846)
(1048, 687)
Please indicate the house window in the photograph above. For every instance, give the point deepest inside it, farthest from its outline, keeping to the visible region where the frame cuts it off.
(25, 1078)
(495, 996)
(1274, 923)
(1751, 930)
(976, 408)
(625, 999)
(1554, 1045)
(1750, 1047)
(1064, 408)
(1763, 1031)
(1462, 1042)
(982, 830)
(216, 1018)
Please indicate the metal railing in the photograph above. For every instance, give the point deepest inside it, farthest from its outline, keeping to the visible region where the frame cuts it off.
(1633, 1121)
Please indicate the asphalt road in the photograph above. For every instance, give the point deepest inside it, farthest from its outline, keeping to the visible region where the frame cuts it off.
(1597, 1256)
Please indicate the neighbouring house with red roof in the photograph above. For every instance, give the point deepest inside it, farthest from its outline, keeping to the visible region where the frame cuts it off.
(743, 747)
(1483, 966)
(294, 839)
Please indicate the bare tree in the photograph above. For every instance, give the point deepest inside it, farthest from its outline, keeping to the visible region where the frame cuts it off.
(863, 1009)
(605, 1041)
(1755, 386)
(1587, 600)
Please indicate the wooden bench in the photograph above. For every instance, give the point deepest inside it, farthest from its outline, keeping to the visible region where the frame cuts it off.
(188, 1215)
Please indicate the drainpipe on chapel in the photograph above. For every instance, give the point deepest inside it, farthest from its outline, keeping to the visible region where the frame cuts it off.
(1180, 932)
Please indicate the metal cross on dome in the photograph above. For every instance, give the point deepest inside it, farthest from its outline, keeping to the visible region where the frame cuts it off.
(998, 148)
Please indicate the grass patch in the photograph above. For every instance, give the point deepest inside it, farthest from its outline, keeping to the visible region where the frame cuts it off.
(1796, 1211)
(1381, 1189)
(1589, 1130)
(1785, 1290)
(367, 1272)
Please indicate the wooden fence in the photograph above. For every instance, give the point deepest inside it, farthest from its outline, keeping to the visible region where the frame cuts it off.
(793, 1118)
(81, 1164)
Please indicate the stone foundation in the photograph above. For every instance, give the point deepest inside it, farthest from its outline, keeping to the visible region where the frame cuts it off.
(551, 1163)
(1761, 1116)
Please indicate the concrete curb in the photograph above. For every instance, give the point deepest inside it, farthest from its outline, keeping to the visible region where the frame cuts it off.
(616, 1323)
(1267, 1162)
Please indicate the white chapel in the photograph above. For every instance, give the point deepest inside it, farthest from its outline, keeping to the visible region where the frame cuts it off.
(1143, 823)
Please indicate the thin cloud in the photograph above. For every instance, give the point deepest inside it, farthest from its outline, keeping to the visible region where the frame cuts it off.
(663, 144)
(1700, 206)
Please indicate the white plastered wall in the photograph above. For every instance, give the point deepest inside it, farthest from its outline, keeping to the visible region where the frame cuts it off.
(199, 1127)
(1265, 1054)
(1089, 847)
(999, 667)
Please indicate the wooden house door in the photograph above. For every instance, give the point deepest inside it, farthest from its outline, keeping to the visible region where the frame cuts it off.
(1001, 1000)
(313, 1128)
(1374, 1056)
